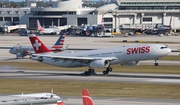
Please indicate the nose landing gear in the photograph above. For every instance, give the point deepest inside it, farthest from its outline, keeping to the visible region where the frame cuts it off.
(156, 64)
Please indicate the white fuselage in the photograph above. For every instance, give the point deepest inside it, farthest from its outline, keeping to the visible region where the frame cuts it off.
(123, 54)
(50, 31)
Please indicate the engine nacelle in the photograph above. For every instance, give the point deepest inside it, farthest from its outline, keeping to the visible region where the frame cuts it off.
(133, 63)
(99, 64)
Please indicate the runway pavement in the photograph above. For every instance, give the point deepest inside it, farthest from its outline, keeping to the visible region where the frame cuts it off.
(123, 101)
(99, 77)
(88, 42)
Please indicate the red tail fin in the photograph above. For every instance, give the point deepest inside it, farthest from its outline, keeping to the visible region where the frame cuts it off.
(60, 103)
(38, 46)
(87, 100)
(39, 26)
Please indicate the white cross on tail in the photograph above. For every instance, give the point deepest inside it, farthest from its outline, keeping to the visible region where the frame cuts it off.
(36, 44)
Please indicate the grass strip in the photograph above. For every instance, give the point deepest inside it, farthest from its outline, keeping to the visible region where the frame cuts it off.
(17, 86)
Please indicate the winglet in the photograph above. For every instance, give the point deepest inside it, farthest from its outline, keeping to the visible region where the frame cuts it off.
(87, 100)
(38, 45)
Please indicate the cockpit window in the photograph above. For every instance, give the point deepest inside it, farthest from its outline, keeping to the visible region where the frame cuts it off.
(163, 47)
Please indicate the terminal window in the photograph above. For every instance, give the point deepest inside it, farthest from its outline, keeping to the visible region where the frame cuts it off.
(15, 18)
(107, 19)
(147, 19)
(7, 18)
(1, 18)
(108, 25)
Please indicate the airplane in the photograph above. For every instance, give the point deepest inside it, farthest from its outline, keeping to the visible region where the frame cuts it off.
(87, 100)
(22, 51)
(41, 96)
(38, 95)
(42, 30)
(96, 29)
(100, 58)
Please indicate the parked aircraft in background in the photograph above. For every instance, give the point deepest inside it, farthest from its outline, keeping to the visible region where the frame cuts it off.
(38, 95)
(53, 30)
(96, 29)
(32, 99)
(87, 100)
(100, 58)
(22, 51)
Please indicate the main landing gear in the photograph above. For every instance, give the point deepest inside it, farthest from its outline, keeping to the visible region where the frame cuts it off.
(90, 71)
(108, 69)
(156, 64)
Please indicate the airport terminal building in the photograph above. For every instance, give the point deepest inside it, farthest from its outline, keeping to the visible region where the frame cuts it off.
(136, 13)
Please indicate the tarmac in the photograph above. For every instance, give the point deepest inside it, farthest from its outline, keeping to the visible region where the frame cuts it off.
(10, 40)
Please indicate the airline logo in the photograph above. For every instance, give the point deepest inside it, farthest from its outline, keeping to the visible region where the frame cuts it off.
(138, 50)
(36, 44)
(62, 40)
(102, 21)
(39, 26)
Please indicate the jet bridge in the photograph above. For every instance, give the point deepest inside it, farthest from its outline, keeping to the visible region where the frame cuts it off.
(8, 29)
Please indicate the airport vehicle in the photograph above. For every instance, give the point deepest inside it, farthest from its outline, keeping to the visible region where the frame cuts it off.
(53, 30)
(96, 29)
(23, 32)
(22, 51)
(87, 100)
(100, 58)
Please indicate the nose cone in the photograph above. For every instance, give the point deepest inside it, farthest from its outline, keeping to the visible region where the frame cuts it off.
(168, 50)
(10, 51)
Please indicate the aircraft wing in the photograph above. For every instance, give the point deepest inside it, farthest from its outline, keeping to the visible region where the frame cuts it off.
(77, 58)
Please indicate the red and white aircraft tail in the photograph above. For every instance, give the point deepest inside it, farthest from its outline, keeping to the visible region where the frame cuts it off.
(58, 46)
(87, 100)
(38, 45)
(39, 26)
(102, 20)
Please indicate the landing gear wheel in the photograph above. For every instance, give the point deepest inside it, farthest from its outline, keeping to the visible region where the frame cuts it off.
(156, 64)
(87, 73)
(105, 72)
(92, 70)
(109, 69)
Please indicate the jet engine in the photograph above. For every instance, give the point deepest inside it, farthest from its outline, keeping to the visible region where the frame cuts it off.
(99, 64)
(133, 63)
